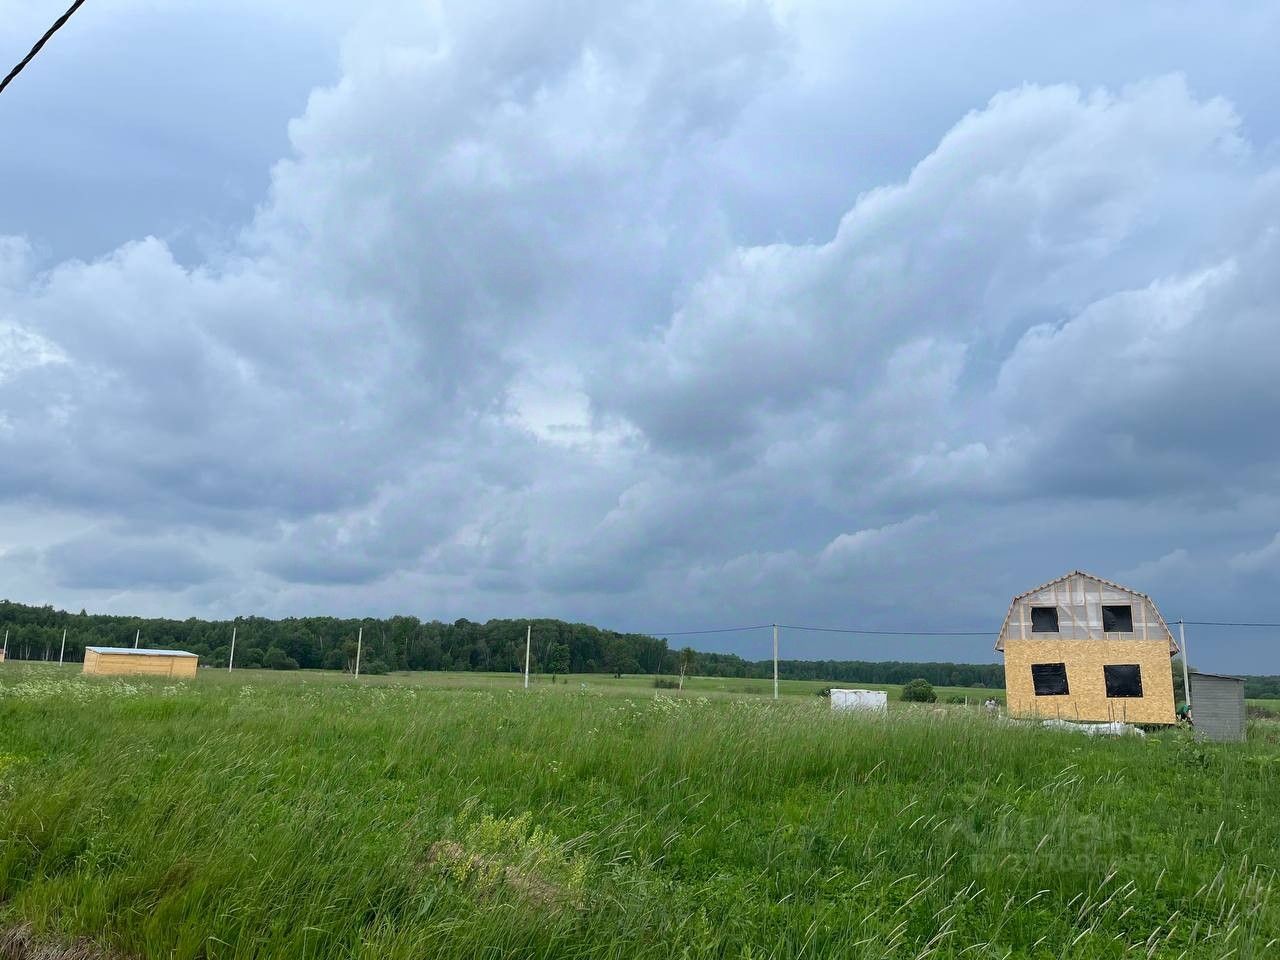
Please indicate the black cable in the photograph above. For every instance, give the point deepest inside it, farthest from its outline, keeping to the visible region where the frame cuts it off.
(57, 25)
(692, 633)
(893, 633)
(1226, 623)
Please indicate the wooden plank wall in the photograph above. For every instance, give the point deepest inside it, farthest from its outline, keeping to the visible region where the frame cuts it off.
(126, 664)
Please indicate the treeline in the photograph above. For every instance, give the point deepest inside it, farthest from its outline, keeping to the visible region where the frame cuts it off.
(407, 643)
(1262, 688)
(329, 643)
(852, 671)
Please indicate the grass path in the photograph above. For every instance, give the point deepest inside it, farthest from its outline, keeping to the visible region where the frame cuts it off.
(307, 816)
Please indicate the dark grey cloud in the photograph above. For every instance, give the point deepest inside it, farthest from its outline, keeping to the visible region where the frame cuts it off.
(107, 562)
(657, 318)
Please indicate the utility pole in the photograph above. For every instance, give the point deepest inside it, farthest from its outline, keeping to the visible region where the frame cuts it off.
(137, 636)
(775, 661)
(6, 646)
(231, 660)
(62, 652)
(359, 648)
(528, 644)
(1186, 673)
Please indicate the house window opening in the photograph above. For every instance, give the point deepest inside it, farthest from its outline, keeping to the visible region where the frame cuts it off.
(1123, 680)
(1044, 619)
(1117, 619)
(1049, 679)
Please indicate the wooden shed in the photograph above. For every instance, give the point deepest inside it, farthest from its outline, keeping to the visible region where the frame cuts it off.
(1085, 649)
(119, 661)
(1217, 705)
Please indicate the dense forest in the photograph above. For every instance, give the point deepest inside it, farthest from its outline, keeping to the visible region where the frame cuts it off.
(407, 643)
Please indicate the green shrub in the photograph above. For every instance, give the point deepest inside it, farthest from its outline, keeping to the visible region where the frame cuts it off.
(918, 691)
(277, 659)
(665, 683)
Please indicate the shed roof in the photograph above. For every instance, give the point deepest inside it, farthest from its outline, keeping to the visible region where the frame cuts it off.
(1173, 644)
(139, 652)
(1215, 676)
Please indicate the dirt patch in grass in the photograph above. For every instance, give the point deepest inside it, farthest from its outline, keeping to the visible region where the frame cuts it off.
(21, 943)
(488, 873)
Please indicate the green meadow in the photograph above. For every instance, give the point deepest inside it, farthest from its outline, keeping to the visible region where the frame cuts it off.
(268, 814)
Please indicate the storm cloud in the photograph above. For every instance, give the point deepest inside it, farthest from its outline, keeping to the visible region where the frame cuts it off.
(745, 312)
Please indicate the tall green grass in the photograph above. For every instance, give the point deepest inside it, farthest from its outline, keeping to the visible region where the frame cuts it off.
(231, 817)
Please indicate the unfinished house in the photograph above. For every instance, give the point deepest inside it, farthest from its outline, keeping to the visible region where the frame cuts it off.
(1085, 649)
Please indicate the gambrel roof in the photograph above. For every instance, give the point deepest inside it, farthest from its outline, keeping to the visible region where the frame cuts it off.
(1158, 623)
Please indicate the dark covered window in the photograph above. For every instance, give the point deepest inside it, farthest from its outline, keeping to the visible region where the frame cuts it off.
(1123, 679)
(1050, 679)
(1044, 619)
(1117, 619)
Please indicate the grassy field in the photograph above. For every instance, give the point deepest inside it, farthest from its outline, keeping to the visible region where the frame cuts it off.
(632, 685)
(438, 816)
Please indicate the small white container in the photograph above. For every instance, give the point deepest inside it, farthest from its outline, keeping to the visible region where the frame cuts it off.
(876, 700)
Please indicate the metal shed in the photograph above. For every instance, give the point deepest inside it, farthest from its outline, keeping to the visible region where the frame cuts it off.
(117, 661)
(1217, 705)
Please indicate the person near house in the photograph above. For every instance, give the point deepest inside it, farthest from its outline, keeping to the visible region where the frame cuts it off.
(1184, 714)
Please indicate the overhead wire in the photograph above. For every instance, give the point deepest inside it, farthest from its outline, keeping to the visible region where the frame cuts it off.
(57, 25)
(694, 633)
(862, 631)
(891, 633)
(1227, 623)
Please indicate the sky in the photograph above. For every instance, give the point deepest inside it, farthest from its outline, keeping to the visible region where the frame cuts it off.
(656, 316)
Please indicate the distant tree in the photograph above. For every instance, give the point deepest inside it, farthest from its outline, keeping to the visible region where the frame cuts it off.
(918, 691)
(558, 660)
(277, 659)
(618, 658)
(687, 657)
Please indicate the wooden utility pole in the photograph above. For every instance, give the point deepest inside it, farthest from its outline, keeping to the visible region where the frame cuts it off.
(775, 661)
(62, 652)
(359, 648)
(1186, 672)
(231, 660)
(528, 645)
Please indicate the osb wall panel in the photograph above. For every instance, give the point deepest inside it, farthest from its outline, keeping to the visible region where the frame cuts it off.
(1088, 701)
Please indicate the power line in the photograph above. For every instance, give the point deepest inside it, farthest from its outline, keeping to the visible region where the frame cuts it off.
(892, 633)
(1226, 623)
(57, 25)
(851, 630)
(694, 633)
(859, 631)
